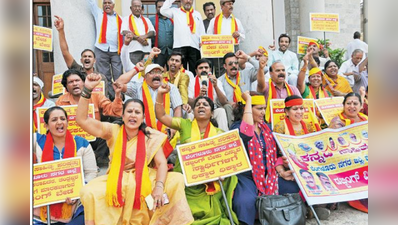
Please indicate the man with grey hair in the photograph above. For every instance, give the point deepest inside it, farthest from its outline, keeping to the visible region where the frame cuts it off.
(108, 41)
(356, 44)
(140, 29)
(350, 68)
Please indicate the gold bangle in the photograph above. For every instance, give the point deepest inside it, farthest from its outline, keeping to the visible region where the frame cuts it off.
(158, 103)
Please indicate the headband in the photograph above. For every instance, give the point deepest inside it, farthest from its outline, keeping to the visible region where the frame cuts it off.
(315, 70)
(258, 100)
(293, 102)
(314, 43)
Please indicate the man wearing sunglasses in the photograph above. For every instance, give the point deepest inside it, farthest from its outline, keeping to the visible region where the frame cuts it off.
(236, 81)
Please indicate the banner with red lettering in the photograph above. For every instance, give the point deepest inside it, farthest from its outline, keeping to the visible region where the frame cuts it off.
(54, 181)
(330, 165)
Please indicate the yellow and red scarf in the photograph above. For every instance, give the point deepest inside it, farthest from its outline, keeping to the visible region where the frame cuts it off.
(347, 121)
(40, 103)
(58, 210)
(211, 187)
(104, 25)
(290, 130)
(157, 29)
(133, 25)
(273, 95)
(150, 118)
(218, 25)
(190, 20)
(209, 88)
(322, 93)
(237, 90)
(143, 188)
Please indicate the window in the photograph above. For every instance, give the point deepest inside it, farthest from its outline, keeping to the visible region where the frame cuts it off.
(44, 20)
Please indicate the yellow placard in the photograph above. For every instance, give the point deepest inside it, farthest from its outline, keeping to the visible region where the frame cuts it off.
(216, 46)
(329, 107)
(330, 165)
(72, 124)
(54, 181)
(302, 42)
(57, 87)
(326, 22)
(42, 38)
(278, 111)
(100, 88)
(207, 160)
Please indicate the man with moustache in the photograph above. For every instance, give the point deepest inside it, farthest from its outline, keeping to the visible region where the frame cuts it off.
(163, 40)
(141, 30)
(178, 78)
(209, 10)
(287, 57)
(188, 28)
(234, 81)
(206, 84)
(38, 98)
(108, 42)
(73, 81)
(276, 87)
(87, 56)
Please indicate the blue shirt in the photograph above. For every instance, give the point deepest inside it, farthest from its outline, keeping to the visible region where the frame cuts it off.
(164, 34)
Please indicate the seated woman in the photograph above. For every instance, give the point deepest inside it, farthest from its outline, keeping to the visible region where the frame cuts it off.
(351, 114)
(118, 197)
(293, 124)
(258, 141)
(334, 83)
(205, 200)
(59, 144)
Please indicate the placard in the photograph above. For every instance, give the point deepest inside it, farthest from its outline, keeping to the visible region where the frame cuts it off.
(326, 22)
(329, 107)
(54, 181)
(57, 87)
(207, 160)
(216, 46)
(42, 38)
(278, 111)
(302, 43)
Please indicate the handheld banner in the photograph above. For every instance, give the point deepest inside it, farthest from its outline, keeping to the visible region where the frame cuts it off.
(216, 46)
(73, 127)
(42, 38)
(207, 160)
(326, 22)
(57, 87)
(54, 181)
(278, 111)
(329, 107)
(330, 165)
(302, 42)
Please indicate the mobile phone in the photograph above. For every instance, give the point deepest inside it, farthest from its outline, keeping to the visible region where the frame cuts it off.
(150, 202)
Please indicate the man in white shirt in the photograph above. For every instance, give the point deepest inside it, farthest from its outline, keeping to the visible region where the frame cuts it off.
(356, 44)
(108, 41)
(287, 57)
(350, 68)
(188, 27)
(141, 30)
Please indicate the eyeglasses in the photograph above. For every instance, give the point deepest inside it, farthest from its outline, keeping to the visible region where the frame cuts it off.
(230, 63)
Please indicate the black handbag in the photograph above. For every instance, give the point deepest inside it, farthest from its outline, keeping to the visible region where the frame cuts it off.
(286, 209)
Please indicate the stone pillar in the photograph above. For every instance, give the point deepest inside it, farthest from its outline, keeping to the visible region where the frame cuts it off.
(256, 17)
(79, 30)
(365, 21)
(307, 7)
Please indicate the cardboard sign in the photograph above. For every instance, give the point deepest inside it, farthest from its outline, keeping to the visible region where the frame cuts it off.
(330, 165)
(278, 110)
(326, 22)
(329, 107)
(302, 42)
(54, 181)
(57, 87)
(207, 160)
(216, 46)
(72, 125)
(42, 38)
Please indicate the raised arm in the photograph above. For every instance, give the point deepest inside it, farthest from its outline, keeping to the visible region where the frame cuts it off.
(159, 106)
(166, 9)
(125, 55)
(260, 74)
(363, 65)
(126, 77)
(220, 94)
(301, 75)
(247, 112)
(90, 125)
(59, 25)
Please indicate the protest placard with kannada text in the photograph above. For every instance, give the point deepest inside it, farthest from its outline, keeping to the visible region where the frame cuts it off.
(207, 160)
(329, 107)
(54, 181)
(326, 22)
(278, 110)
(42, 38)
(57, 87)
(302, 42)
(73, 127)
(216, 46)
(330, 165)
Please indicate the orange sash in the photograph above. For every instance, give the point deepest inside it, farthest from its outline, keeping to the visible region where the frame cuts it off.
(209, 88)
(273, 95)
(133, 25)
(104, 25)
(190, 20)
(218, 25)
(237, 90)
(347, 121)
